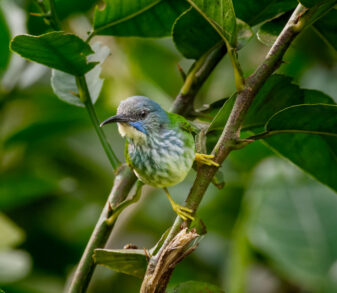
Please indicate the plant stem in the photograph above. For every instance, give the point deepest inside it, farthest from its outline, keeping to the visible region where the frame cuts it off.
(124, 181)
(231, 132)
(125, 178)
(86, 99)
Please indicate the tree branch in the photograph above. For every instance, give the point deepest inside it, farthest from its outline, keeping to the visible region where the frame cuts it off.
(125, 178)
(123, 183)
(230, 135)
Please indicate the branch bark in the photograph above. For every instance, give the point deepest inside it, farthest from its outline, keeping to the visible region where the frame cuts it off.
(229, 137)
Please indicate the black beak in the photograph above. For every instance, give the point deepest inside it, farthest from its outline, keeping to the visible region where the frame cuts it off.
(116, 118)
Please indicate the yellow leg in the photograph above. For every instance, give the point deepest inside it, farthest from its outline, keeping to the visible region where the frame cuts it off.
(183, 212)
(206, 159)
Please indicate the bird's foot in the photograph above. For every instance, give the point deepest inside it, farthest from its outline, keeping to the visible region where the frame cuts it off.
(206, 159)
(182, 212)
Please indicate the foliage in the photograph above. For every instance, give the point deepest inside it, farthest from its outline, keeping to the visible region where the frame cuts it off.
(270, 218)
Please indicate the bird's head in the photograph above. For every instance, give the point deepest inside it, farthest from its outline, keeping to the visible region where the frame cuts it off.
(138, 117)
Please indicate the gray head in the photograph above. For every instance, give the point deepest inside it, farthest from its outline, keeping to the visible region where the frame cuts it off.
(138, 117)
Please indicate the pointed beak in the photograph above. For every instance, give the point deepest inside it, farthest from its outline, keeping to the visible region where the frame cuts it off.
(116, 118)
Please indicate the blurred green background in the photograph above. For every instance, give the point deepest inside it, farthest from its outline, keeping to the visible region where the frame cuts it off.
(271, 229)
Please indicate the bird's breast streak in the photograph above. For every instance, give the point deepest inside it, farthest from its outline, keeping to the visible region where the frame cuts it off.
(164, 161)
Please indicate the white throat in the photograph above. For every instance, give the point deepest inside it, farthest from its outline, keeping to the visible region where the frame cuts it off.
(128, 131)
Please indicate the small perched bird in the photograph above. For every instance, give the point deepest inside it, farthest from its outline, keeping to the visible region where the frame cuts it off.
(160, 146)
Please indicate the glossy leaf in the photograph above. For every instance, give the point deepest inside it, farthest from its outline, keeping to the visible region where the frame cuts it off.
(326, 26)
(220, 15)
(64, 84)
(4, 43)
(299, 147)
(65, 52)
(128, 261)
(316, 119)
(279, 93)
(291, 221)
(195, 286)
(276, 94)
(194, 36)
(147, 18)
(255, 12)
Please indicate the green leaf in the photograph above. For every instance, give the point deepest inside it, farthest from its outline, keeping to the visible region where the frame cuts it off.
(315, 119)
(276, 94)
(147, 18)
(292, 221)
(64, 84)
(195, 286)
(65, 52)
(4, 43)
(222, 115)
(257, 11)
(128, 261)
(220, 15)
(326, 26)
(269, 31)
(314, 154)
(193, 35)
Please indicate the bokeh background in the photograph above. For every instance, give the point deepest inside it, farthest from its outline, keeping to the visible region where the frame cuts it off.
(271, 229)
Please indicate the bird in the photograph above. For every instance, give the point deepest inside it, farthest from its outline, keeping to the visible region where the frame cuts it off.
(160, 146)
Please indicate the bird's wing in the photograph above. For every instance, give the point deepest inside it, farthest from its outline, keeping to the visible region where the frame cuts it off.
(183, 123)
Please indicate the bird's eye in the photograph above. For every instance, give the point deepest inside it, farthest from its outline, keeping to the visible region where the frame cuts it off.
(143, 114)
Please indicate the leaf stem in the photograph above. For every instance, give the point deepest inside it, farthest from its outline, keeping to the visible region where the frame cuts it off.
(86, 99)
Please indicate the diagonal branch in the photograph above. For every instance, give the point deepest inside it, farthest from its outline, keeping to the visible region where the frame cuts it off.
(231, 133)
